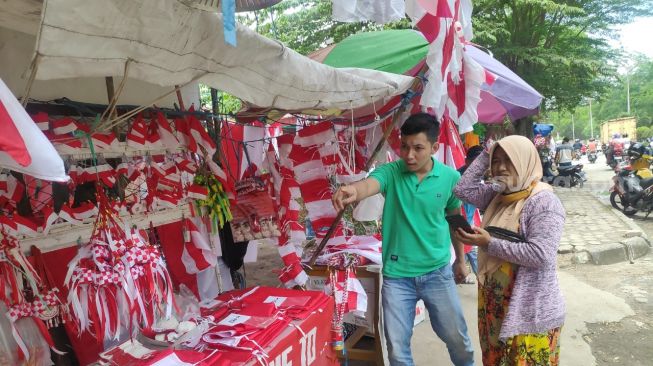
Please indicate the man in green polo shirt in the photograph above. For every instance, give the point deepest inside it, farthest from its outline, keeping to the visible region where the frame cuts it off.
(416, 242)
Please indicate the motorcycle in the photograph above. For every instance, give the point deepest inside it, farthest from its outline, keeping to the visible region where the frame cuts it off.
(567, 176)
(592, 157)
(633, 187)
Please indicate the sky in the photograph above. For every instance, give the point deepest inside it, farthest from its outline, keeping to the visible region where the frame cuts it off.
(636, 36)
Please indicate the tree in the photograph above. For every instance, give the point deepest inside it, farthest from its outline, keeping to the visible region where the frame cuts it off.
(560, 47)
(614, 104)
(643, 132)
(306, 25)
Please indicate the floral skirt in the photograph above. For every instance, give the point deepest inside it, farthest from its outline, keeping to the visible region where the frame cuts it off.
(540, 349)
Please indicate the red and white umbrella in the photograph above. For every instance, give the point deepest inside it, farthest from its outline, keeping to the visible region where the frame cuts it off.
(23, 147)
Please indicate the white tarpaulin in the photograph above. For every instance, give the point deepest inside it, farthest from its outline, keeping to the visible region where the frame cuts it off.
(169, 43)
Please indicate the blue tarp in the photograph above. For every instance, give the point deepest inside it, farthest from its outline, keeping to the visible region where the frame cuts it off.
(542, 129)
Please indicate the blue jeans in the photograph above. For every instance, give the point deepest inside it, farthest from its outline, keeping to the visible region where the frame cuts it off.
(473, 261)
(438, 290)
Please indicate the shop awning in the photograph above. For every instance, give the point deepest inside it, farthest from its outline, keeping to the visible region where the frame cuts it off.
(169, 43)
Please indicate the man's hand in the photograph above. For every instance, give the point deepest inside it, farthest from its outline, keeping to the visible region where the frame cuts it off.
(460, 271)
(480, 238)
(344, 196)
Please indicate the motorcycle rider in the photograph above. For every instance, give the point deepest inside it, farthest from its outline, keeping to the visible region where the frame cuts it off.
(591, 146)
(564, 153)
(578, 146)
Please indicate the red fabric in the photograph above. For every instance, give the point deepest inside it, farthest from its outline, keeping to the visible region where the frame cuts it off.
(172, 239)
(11, 140)
(231, 139)
(86, 347)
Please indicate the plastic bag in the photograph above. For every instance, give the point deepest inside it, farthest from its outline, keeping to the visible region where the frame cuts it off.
(379, 11)
(189, 306)
(369, 209)
(37, 346)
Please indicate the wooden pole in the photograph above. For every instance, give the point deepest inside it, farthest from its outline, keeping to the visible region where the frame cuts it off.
(370, 161)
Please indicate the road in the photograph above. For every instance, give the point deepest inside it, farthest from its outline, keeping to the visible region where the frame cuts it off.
(628, 341)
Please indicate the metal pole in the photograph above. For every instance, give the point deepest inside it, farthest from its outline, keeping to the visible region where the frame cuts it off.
(591, 124)
(573, 128)
(628, 94)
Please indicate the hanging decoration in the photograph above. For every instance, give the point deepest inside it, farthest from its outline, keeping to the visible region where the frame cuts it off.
(216, 204)
(33, 301)
(117, 279)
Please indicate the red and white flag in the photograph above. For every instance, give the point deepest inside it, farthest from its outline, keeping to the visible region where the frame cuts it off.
(136, 137)
(197, 254)
(42, 120)
(25, 225)
(12, 188)
(197, 192)
(168, 138)
(63, 126)
(23, 146)
(200, 137)
(104, 141)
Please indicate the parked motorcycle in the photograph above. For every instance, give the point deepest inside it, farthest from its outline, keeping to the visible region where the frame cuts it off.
(569, 176)
(631, 194)
(633, 183)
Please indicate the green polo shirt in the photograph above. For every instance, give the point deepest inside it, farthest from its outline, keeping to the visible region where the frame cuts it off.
(416, 237)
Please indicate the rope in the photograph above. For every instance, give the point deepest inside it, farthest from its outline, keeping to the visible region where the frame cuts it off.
(114, 100)
(112, 123)
(30, 81)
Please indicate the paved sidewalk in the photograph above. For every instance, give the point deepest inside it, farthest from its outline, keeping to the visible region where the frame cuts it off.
(597, 233)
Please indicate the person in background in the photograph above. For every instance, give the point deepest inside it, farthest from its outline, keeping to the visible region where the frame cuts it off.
(418, 191)
(521, 309)
(592, 146)
(564, 153)
(470, 251)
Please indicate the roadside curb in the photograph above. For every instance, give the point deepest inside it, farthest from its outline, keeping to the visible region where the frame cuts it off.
(634, 245)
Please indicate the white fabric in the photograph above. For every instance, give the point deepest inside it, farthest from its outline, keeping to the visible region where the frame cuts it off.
(170, 44)
(254, 144)
(379, 11)
(46, 163)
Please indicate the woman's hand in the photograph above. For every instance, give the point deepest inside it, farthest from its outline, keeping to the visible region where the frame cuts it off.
(480, 238)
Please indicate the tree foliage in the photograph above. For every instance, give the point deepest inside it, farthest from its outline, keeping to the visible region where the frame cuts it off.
(306, 25)
(560, 47)
(614, 104)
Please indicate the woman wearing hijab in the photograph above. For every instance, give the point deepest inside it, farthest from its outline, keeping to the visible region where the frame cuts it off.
(521, 308)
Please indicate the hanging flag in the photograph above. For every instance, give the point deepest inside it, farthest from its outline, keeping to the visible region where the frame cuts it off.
(168, 138)
(23, 146)
(197, 254)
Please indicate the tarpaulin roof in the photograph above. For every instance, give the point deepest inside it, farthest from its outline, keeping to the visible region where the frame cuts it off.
(169, 43)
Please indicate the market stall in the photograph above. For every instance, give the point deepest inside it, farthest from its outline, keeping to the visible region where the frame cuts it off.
(149, 202)
(161, 203)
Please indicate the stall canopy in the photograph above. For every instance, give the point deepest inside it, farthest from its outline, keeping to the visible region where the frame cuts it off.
(507, 95)
(166, 42)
